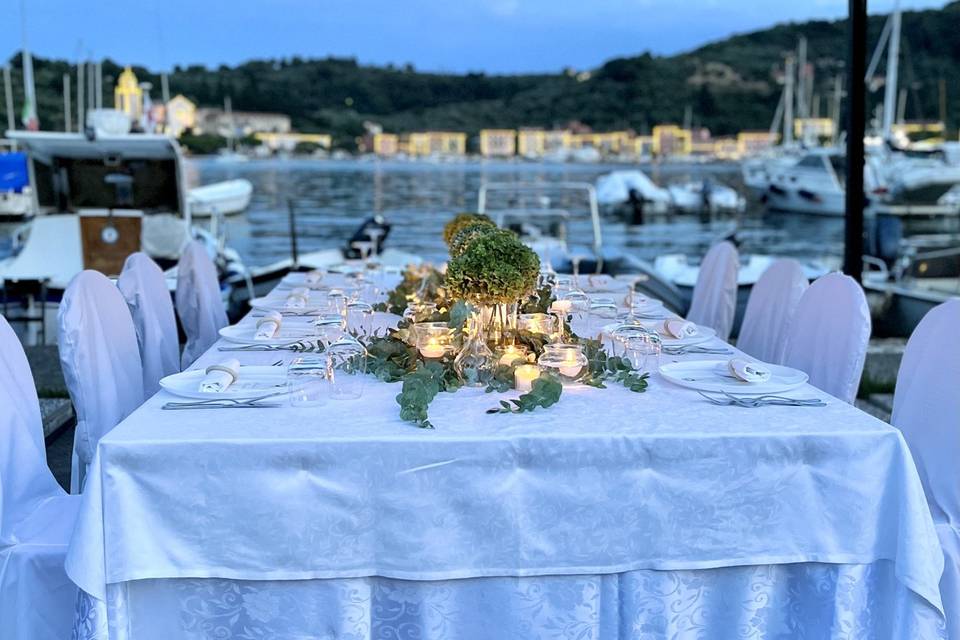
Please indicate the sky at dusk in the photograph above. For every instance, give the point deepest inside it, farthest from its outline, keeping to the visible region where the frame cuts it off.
(495, 36)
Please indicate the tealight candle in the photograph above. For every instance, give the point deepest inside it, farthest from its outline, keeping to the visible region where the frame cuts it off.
(513, 353)
(432, 349)
(570, 366)
(524, 375)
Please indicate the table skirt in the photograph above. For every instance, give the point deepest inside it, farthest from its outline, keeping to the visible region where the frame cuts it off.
(810, 600)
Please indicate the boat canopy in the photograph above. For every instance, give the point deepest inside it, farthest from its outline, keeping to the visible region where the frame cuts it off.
(72, 172)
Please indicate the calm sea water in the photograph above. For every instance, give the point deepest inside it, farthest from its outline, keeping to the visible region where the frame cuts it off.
(332, 198)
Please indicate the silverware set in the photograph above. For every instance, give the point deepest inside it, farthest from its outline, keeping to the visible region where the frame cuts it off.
(691, 349)
(227, 403)
(727, 399)
(300, 346)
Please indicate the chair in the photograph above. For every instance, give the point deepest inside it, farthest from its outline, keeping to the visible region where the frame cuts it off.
(714, 301)
(100, 361)
(828, 335)
(199, 304)
(36, 516)
(926, 408)
(144, 287)
(772, 303)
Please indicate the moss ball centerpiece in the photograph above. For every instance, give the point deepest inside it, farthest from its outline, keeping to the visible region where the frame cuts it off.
(462, 220)
(493, 268)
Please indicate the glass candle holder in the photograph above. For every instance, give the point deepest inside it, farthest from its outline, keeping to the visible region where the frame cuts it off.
(513, 353)
(419, 311)
(541, 323)
(433, 339)
(567, 360)
(523, 377)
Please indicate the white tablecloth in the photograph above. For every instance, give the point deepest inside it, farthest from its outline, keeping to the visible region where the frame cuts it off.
(605, 482)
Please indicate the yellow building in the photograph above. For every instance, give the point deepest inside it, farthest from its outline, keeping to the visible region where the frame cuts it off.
(531, 143)
(386, 144)
(670, 140)
(813, 128)
(928, 132)
(642, 146)
(611, 142)
(289, 141)
(726, 149)
(752, 142)
(499, 143)
(557, 140)
(429, 143)
(127, 95)
(180, 115)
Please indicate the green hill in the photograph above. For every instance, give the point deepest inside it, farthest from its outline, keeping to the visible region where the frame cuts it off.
(729, 85)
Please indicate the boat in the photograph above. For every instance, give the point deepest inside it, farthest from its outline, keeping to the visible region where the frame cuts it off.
(813, 183)
(16, 199)
(613, 189)
(97, 198)
(687, 197)
(222, 198)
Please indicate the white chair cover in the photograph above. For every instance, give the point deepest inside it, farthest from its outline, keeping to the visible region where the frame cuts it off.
(36, 516)
(199, 304)
(829, 333)
(100, 361)
(926, 408)
(714, 301)
(772, 303)
(16, 377)
(144, 287)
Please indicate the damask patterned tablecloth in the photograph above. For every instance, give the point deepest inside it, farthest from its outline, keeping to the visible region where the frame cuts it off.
(607, 481)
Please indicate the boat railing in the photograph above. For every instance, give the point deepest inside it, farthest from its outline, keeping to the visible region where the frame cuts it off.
(550, 187)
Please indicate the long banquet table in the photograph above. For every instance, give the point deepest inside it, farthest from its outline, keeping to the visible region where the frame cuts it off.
(609, 515)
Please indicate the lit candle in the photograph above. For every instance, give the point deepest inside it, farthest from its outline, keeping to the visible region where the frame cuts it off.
(524, 375)
(433, 349)
(573, 368)
(512, 353)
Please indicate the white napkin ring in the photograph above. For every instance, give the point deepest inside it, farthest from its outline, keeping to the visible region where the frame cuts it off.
(264, 320)
(224, 369)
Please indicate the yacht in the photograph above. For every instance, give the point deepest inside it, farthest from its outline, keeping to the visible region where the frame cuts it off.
(15, 197)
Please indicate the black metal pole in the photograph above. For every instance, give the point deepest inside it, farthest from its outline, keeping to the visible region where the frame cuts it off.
(294, 254)
(856, 115)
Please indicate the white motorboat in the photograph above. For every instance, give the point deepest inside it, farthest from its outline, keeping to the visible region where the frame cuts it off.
(688, 197)
(97, 200)
(814, 183)
(221, 198)
(614, 188)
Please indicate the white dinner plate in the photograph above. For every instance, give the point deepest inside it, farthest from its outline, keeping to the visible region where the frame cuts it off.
(299, 279)
(710, 375)
(703, 333)
(253, 382)
(278, 303)
(244, 332)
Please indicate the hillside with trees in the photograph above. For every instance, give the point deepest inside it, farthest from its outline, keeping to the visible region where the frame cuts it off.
(729, 85)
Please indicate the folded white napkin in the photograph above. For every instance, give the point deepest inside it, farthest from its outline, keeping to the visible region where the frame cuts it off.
(748, 371)
(677, 328)
(297, 298)
(220, 376)
(268, 326)
(313, 278)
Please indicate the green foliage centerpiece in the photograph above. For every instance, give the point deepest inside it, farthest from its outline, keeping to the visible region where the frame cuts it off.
(491, 274)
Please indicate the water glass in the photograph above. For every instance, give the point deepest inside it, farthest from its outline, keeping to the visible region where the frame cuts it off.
(643, 351)
(346, 369)
(307, 384)
(360, 317)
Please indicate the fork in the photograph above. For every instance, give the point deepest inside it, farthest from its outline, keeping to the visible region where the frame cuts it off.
(682, 351)
(762, 401)
(305, 346)
(226, 403)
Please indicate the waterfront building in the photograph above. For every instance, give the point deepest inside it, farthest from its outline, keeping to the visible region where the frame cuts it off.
(927, 132)
(288, 141)
(726, 149)
(672, 140)
(128, 95)
(607, 143)
(752, 142)
(642, 146)
(557, 141)
(243, 123)
(434, 143)
(385, 144)
(498, 143)
(180, 115)
(531, 143)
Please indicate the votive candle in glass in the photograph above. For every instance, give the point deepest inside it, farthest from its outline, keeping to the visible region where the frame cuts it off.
(513, 353)
(523, 377)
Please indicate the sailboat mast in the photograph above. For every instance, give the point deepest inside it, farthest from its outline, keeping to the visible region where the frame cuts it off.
(67, 111)
(8, 90)
(890, 85)
(29, 118)
(788, 102)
